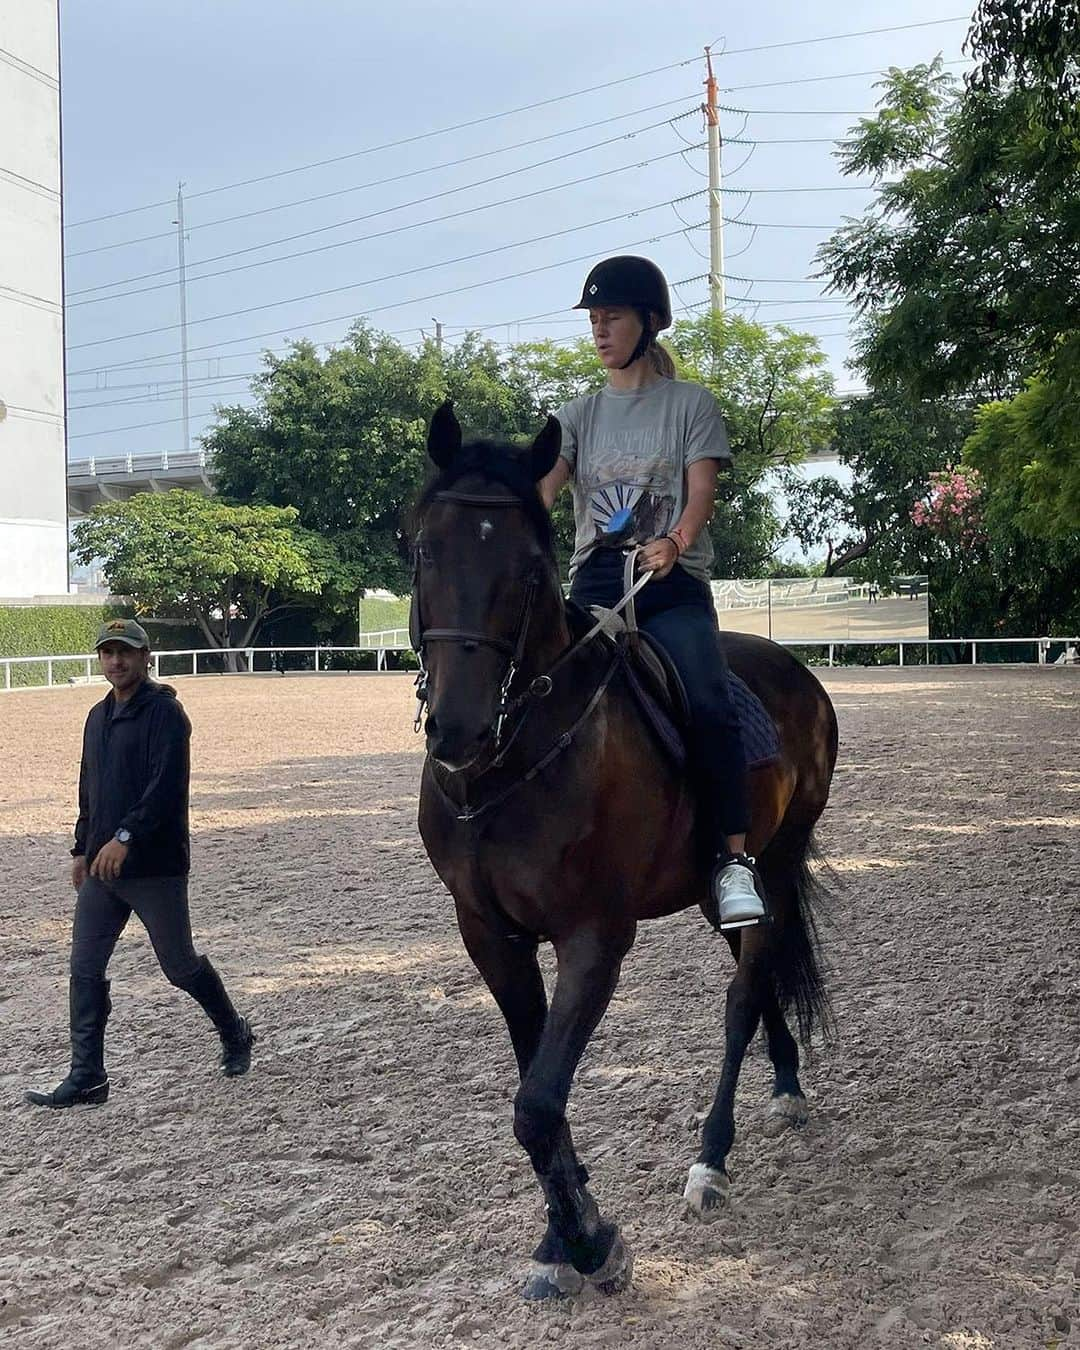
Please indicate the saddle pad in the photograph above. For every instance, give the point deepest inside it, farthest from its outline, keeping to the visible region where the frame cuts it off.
(658, 689)
(759, 736)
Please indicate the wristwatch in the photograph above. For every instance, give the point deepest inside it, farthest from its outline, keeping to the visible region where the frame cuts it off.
(123, 836)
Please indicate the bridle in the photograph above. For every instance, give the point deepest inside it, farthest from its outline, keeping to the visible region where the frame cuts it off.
(419, 636)
(541, 686)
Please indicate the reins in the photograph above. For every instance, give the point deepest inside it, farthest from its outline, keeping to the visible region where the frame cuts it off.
(541, 686)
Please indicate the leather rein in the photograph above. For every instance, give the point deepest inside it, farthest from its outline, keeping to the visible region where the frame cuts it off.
(539, 688)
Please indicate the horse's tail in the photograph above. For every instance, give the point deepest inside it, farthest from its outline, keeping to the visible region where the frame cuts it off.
(797, 896)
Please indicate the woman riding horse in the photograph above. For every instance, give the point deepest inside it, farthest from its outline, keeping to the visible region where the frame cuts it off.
(548, 805)
(643, 455)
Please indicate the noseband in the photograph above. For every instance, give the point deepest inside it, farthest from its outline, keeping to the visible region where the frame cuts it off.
(420, 636)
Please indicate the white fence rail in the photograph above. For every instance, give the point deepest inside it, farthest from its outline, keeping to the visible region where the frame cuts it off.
(319, 660)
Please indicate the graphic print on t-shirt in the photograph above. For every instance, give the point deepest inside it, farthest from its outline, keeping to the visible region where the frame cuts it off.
(629, 499)
(630, 513)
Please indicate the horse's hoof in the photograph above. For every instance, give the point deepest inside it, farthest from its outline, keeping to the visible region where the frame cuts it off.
(615, 1274)
(707, 1192)
(787, 1111)
(549, 1281)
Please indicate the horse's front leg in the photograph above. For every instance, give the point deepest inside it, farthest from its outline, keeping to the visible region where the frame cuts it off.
(588, 971)
(507, 962)
(706, 1192)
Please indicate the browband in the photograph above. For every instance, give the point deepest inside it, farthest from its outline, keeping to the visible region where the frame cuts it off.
(476, 499)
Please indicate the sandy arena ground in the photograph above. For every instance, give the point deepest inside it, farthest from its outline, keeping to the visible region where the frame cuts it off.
(362, 1185)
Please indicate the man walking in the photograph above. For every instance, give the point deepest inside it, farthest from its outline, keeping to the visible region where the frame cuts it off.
(132, 854)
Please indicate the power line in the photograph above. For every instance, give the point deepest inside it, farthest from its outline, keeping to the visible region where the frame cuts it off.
(820, 79)
(399, 304)
(138, 426)
(434, 220)
(528, 107)
(394, 145)
(836, 37)
(383, 211)
(390, 276)
(159, 398)
(465, 330)
(394, 178)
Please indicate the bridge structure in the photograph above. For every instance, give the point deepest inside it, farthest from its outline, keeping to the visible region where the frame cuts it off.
(114, 478)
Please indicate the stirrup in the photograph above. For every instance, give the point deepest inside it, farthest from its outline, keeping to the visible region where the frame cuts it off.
(744, 912)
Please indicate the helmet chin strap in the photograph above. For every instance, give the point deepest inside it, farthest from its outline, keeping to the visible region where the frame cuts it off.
(643, 342)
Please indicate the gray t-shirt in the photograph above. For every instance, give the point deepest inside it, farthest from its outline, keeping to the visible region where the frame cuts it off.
(628, 453)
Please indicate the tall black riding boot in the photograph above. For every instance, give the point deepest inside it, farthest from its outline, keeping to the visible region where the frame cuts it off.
(237, 1037)
(87, 1083)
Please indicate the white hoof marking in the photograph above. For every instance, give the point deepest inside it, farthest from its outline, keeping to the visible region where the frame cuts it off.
(786, 1112)
(707, 1192)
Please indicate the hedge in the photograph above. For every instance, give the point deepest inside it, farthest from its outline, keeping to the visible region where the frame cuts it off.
(377, 615)
(35, 630)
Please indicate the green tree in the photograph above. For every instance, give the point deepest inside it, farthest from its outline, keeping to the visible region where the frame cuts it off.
(1031, 43)
(966, 271)
(341, 438)
(182, 556)
(555, 372)
(1028, 450)
(966, 267)
(776, 394)
(890, 447)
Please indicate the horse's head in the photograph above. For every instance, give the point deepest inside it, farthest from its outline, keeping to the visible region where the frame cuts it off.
(486, 606)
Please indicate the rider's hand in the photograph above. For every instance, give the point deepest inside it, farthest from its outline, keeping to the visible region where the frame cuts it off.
(658, 556)
(111, 857)
(78, 871)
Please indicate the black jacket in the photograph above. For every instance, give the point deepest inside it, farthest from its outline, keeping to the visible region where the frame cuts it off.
(134, 775)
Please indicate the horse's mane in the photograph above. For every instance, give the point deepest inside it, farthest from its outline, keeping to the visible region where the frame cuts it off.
(502, 465)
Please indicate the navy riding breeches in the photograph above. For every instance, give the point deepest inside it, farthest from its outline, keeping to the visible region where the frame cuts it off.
(678, 612)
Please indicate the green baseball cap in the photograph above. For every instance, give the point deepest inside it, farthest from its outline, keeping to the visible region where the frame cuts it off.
(122, 630)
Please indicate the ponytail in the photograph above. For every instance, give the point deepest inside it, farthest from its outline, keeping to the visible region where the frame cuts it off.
(660, 360)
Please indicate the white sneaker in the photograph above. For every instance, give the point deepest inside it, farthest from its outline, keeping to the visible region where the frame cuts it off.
(735, 892)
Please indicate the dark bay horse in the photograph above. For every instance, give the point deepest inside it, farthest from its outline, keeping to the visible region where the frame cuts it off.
(552, 814)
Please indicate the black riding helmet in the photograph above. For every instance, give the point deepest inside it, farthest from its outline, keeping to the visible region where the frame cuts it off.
(636, 283)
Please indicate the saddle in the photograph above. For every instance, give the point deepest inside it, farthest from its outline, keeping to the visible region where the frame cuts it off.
(661, 697)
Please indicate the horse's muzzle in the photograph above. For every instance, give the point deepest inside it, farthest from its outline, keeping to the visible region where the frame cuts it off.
(454, 747)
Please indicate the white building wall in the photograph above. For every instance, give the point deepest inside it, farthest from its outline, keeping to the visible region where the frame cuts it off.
(33, 469)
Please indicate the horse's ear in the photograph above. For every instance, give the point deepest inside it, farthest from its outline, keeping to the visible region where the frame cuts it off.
(545, 449)
(444, 435)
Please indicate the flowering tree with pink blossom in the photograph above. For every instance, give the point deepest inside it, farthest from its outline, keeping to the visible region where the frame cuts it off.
(951, 508)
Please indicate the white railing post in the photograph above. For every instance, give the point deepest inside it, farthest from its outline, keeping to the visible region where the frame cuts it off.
(7, 674)
(194, 663)
(250, 653)
(974, 651)
(316, 660)
(48, 677)
(89, 671)
(831, 646)
(157, 666)
(901, 646)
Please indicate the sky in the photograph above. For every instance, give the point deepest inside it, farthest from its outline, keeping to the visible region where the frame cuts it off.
(410, 162)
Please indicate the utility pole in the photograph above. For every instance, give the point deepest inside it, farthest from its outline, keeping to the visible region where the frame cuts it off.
(716, 203)
(438, 335)
(179, 223)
